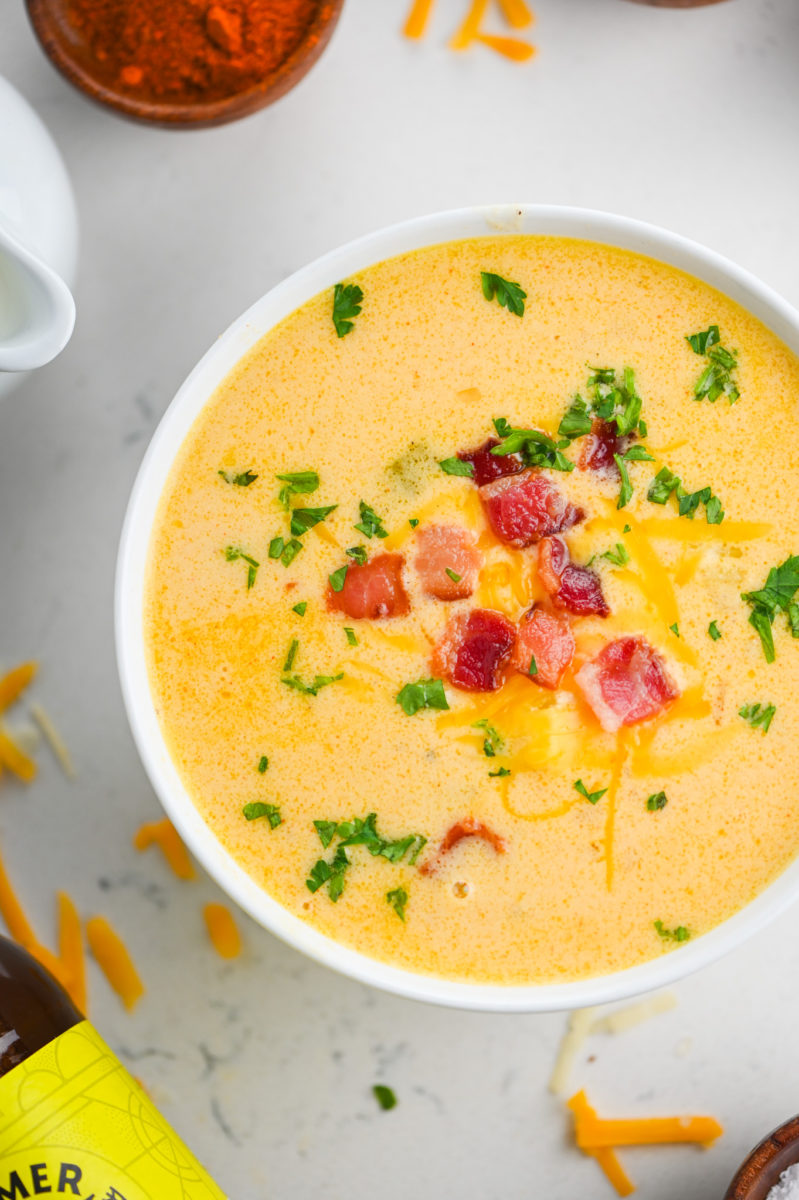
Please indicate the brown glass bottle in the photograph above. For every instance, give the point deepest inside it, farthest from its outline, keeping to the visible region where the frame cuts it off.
(34, 1008)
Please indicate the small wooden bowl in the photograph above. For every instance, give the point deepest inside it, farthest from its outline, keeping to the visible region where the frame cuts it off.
(762, 1169)
(72, 57)
(677, 3)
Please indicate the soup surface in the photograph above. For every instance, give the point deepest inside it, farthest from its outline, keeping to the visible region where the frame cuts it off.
(498, 717)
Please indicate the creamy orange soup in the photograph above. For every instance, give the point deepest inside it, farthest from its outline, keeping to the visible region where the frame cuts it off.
(557, 845)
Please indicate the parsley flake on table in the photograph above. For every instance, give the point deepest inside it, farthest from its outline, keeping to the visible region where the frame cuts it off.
(774, 597)
(370, 525)
(244, 479)
(347, 301)
(398, 899)
(257, 809)
(591, 797)
(716, 379)
(680, 934)
(506, 293)
(759, 716)
(384, 1095)
(296, 482)
(426, 693)
(656, 802)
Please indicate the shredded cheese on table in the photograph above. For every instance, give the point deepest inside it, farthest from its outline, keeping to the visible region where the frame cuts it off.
(54, 739)
(164, 835)
(580, 1022)
(418, 17)
(594, 1133)
(222, 930)
(114, 961)
(605, 1157)
(634, 1014)
(14, 757)
(70, 951)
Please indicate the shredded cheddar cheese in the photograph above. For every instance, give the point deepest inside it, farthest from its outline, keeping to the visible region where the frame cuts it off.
(577, 1030)
(509, 47)
(418, 17)
(14, 683)
(222, 930)
(14, 757)
(606, 1157)
(70, 951)
(114, 961)
(469, 29)
(164, 835)
(517, 14)
(54, 739)
(594, 1133)
(626, 1018)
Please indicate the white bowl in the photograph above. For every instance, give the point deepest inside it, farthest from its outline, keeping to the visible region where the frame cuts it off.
(177, 421)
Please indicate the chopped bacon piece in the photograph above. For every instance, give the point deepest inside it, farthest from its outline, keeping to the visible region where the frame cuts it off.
(441, 552)
(626, 682)
(488, 466)
(373, 589)
(547, 638)
(522, 509)
(467, 828)
(475, 649)
(601, 444)
(577, 589)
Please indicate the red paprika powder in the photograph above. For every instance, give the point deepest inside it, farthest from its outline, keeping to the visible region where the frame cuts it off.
(185, 50)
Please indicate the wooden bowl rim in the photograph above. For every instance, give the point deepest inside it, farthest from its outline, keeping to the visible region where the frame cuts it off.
(196, 113)
(762, 1159)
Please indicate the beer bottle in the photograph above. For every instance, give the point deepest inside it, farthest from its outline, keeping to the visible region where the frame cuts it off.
(73, 1122)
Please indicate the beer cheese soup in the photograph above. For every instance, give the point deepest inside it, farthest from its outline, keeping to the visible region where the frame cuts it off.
(471, 605)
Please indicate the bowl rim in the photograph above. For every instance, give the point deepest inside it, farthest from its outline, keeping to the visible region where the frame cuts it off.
(454, 225)
(193, 114)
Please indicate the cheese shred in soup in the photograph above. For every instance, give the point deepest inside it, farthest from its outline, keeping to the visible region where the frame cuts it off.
(492, 716)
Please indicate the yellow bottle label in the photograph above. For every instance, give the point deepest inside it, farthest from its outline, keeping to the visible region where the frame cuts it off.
(73, 1122)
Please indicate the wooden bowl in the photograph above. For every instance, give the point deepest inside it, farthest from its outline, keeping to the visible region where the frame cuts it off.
(677, 3)
(71, 55)
(762, 1169)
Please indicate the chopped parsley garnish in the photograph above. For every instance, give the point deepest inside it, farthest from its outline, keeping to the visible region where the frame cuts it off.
(347, 298)
(774, 597)
(591, 797)
(536, 448)
(656, 802)
(303, 519)
(666, 482)
(263, 763)
(509, 295)
(351, 638)
(713, 631)
(336, 580)
(276, 547)
(427, 693)
(716, 379)
(454, 466)
(300, 608)
(454, 576)
(382, 1094)
(330, 873)
(759, 716)
(232, 554)
(619, 555)
(370, 525)
(310, 689)
(294, 482)
(358, 554)
(413, 522)
(292, 654)
(533, 668)
(500, 773)
(271, 811)
(675, 629)
(680, 934)
(290, 551)
(576, 421)
(626, 491)
(615, 400)
(398, 899)
(238, 480)
(627, 529)
(326, 830)
(492, 742)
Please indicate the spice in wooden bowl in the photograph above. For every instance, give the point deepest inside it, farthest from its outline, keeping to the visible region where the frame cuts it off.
(184, 62)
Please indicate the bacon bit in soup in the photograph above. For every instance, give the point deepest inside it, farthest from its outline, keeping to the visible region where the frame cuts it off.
(371, 590)
(488, 466)
(627, 682)
(577, 589)
(475, 650)
(447, 561)
(467, 828)
(602, 444)
(546, 639)
(522, 509)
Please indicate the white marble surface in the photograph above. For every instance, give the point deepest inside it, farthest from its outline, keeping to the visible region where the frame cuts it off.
(688, 119)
